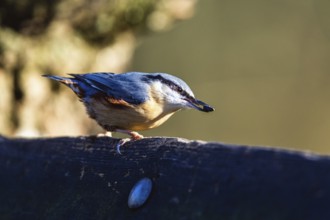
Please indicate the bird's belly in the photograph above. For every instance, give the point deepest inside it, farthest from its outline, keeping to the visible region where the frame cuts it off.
(136, 118)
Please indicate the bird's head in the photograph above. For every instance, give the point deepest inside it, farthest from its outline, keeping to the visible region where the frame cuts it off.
(174, 92)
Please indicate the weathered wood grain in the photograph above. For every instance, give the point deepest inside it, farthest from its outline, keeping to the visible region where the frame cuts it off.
(84, 178)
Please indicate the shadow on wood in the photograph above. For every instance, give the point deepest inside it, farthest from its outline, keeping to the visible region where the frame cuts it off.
(84, 178)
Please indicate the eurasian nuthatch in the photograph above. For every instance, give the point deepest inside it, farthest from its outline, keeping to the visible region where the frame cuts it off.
(132, 101)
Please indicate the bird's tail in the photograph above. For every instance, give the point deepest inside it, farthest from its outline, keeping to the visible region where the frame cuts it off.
(63, 80)
(70, 82)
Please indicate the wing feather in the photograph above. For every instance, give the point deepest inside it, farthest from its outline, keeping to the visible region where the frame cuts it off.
(126, 88)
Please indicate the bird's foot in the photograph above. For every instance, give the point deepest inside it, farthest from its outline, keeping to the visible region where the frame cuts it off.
(106, 134)
(134, 136)
(121, 143)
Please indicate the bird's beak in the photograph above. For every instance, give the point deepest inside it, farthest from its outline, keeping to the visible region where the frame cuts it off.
(201, 106)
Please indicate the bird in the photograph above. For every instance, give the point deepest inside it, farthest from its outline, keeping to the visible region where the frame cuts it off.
(132, 101)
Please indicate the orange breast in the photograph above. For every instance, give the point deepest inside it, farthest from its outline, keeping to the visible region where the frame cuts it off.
(120, 115)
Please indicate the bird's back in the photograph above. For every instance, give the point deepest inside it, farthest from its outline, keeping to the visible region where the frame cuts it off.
(126, 86)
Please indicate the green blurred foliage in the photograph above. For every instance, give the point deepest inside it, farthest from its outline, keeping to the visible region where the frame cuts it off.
(96, 21)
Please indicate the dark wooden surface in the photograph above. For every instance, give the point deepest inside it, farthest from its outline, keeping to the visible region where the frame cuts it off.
(84, 178)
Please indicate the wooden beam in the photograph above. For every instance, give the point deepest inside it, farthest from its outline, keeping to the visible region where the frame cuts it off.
(84, 178)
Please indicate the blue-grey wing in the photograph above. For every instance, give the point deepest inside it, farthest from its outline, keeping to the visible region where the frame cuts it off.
(126, 86)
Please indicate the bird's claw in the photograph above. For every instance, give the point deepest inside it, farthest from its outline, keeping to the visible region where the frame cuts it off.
(134, 136)
(121, 143)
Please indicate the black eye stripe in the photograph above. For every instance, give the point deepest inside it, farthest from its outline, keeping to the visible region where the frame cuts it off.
(169, 83)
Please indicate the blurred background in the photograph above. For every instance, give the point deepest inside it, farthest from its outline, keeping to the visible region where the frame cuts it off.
(262, 64)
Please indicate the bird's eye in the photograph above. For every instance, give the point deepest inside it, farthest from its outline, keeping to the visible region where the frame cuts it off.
(179, 89)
